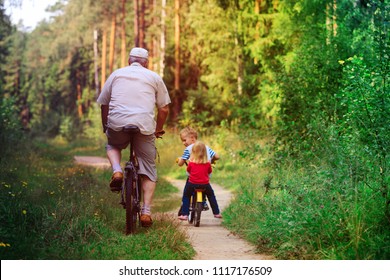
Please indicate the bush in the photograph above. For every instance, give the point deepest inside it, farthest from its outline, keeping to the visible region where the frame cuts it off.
(10, 127)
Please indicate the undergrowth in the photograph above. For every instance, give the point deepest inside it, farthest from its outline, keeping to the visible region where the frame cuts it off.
(325, 204)
(54, 209)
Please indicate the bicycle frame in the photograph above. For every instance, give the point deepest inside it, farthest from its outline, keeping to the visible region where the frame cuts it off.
(196, 206)
(131, 188)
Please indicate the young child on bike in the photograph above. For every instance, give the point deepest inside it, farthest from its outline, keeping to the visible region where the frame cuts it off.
(199, 170)
(189, 136)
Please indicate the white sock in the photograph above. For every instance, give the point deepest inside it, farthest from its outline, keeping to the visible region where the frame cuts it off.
(117, 168)
(146, 210)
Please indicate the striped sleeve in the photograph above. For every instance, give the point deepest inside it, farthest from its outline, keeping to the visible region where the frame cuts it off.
(186, 154)
(210, 153)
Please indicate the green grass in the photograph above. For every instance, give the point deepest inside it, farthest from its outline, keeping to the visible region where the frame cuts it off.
(321, 204)
(53, 209)
(306, 207)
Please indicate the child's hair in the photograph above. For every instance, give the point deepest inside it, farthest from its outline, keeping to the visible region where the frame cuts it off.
(199, 153)
(189, 131)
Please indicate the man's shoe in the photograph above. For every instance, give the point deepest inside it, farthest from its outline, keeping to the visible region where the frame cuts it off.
(146, 220)
(205, 206)
(116, 182)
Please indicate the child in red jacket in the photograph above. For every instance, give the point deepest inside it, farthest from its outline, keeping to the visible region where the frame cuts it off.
(199, 170)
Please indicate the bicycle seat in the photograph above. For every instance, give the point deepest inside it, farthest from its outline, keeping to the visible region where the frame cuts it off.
(131, 129)
(200, 188)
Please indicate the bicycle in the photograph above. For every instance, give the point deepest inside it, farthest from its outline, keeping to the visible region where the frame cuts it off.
(196, 206)
(131, 187)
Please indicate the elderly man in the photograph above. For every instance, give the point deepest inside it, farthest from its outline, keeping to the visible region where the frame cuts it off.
(129, 97)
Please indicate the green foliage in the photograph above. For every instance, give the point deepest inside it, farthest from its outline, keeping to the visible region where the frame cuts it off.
(11, 135)
(211, 99)
(314, 74)
(365, 124)
(5, 32)
(53, 209)
(325, 203)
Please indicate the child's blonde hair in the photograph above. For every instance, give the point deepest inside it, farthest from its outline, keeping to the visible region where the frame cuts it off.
(199, 153)
(189, 131)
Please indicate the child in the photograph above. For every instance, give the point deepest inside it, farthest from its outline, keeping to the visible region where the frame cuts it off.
(189, 136)
(199, 170)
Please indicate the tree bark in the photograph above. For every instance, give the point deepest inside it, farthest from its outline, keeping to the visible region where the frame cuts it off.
(136, 23)
(142, 25)
(176, 92)
(123, 35)
(331, 21)
(104, 58)
(177, 45)
(95, 60)
(79, 103)
(162, 37)
(112, 42)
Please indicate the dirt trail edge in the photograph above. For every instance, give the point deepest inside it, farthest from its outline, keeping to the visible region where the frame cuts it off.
(210, 240)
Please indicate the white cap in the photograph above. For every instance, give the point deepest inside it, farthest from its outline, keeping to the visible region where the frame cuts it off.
(139, 52)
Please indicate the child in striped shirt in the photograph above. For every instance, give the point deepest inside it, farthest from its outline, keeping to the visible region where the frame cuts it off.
(189, 136)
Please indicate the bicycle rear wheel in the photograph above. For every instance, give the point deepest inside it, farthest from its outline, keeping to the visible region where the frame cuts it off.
(131, 211)
(192, 210)
(197, 213)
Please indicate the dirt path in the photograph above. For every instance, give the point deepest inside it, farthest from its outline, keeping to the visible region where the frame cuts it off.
(211, 240)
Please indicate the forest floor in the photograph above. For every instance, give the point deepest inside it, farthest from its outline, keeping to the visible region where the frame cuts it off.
(210, 240)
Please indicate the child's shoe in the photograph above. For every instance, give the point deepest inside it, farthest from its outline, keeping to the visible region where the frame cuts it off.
(218, 216)
(183, 217)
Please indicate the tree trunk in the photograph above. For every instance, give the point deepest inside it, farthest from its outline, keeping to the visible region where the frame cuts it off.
(177, 45)
(142, 25)
(153, 49)
(257, 35)
(123, 35)
(331, 21)
(112, 42)
(95, 60)
(176, 92)
(79, 103)
(104, 58)
(136, 23)
(162, 37)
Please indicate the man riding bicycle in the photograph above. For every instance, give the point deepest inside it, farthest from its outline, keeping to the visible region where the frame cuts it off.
(129, 97)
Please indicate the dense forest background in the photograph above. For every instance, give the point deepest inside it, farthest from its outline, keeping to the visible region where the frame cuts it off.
(310, 76)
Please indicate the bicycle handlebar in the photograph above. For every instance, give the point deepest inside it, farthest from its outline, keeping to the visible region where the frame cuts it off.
(159, 134)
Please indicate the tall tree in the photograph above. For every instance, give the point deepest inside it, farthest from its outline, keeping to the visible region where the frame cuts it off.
(136, 23)
(176, 102)
(162, 38)
(96, 62)
(142, 24)
(123, 35)
(112, 41)
(104, 57)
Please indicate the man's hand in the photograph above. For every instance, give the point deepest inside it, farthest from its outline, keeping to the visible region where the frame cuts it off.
(104, 115)
(159, 134)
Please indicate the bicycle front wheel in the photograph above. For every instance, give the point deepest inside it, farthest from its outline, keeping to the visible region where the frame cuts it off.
(197, 213)
(131, 213)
